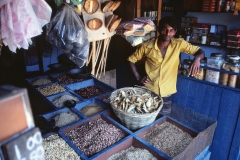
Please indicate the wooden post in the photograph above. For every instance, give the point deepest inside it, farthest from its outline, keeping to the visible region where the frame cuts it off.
(159, 14)
(138, 8)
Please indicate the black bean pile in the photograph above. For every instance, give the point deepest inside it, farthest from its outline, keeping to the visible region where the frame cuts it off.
(89, 91)
(64, 79)
(95, 136)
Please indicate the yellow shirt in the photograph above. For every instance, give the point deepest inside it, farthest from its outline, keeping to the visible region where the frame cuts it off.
(162, 71)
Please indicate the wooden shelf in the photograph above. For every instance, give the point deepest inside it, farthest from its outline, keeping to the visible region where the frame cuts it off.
(210, 83)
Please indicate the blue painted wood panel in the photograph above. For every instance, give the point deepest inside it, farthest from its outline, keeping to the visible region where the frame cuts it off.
(217, 102)
(235, 149)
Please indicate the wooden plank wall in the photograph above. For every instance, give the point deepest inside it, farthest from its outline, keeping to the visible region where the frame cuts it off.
(109, 78)
(217, 102)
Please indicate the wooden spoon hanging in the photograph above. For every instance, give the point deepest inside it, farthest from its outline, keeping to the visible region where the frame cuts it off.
(106, 5)
(94, 24)
(114, 25)
(91, 6)
(114, 6)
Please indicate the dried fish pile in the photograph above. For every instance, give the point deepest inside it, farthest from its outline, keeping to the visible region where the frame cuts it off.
(52, 89)
(169, 139)
(59, 101)
(94, 136)
(133, 153)
(65, 118)
(56, 148)
(91, 109)
(134, 102)
(41, 81)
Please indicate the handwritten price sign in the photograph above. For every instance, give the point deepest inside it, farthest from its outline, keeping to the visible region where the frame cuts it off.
(27, 146)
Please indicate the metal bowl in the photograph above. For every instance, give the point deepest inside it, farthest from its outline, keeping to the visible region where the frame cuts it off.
(78, 73)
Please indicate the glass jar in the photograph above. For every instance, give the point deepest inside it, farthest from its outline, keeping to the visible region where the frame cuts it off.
(215, 61)
(233, 66)
(201, 74)
(185, 66)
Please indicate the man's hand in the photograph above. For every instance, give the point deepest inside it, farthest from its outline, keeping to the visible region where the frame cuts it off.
(194, 68)
(145, 80)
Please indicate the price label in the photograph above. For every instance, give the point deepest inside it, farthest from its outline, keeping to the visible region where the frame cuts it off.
(27, 146)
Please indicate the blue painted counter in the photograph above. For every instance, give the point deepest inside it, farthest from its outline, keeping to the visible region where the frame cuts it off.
(216, 101)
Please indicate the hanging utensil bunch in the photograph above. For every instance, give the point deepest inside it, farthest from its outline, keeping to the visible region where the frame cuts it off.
(98, 57)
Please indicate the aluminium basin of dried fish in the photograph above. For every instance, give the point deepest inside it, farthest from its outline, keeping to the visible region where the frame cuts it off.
(60, 100)
(51, 89)
(133, 153)
(56, 148)
(41, 81)
(168, 138)
(63, 119)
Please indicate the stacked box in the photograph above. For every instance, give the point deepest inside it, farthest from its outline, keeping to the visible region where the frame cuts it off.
(208, 5)
(199, 30)
(233, 40)
(192, 5)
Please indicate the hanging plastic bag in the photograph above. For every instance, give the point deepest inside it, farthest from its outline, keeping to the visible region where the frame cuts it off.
(67, 32)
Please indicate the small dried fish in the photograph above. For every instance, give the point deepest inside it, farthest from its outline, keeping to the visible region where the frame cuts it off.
(130, 108)
(131, 101)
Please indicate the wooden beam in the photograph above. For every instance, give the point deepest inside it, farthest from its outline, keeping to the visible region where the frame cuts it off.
(159, 14)
(159, 10)
(138, 8)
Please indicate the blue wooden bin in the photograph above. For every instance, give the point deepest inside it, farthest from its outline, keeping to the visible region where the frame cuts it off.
(219, 102)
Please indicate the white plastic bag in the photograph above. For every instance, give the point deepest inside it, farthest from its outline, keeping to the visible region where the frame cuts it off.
(67, 32)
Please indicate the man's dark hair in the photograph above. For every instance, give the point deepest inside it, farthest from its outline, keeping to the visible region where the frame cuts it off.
(171, 21)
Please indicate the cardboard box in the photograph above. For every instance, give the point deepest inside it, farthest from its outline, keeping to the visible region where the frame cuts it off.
(208, 5)
(15, 111)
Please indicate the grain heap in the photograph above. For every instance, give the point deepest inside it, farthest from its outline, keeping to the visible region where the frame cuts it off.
(56, 148)
(168, 138)
(52, 89)
(89, 91)
(65, 118)
(59, 101)
(41, 81)
(64, 79)
(94, 136)
(91, 109)
(133, 153)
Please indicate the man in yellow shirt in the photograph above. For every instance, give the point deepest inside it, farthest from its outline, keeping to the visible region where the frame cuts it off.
(162, 60)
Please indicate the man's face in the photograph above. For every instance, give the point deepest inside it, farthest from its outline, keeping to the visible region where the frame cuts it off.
(167, 33)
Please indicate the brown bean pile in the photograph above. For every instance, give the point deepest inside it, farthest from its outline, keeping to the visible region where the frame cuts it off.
(94, 136)
(64, 79)
(52, 89)
(89, 91)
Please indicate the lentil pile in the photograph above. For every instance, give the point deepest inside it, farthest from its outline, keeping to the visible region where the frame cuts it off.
(66, 79)
(59, 101)
(89, 91)
(56, 148)
(65, 118)
(94, 136)
(52, 89)
(91, 109)
(168, 138)
(41, 81)
(133, 153)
